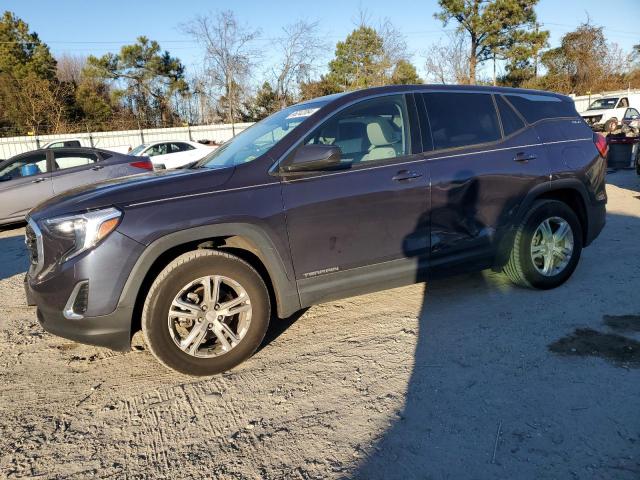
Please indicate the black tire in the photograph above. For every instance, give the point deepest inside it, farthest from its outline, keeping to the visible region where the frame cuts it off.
(176, 275)
(520, 268)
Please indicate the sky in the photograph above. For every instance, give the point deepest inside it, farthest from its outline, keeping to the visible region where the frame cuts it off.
(97, 27)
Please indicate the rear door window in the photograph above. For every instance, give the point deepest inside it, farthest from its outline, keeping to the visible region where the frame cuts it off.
(461, 119)
(65, 160)
(539, 107)
(511, 121)
(181, 147)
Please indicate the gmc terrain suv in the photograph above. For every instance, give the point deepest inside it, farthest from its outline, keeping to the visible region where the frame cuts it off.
(334, 197)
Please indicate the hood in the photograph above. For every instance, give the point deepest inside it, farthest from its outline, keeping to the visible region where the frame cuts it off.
(121, 192)
(591, 113)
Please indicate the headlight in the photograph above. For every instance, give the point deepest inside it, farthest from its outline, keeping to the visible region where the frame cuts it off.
(78, 233)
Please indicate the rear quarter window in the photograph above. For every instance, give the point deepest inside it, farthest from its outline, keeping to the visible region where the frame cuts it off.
(539, 107)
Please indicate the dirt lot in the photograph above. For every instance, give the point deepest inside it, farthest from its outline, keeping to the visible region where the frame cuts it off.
(468, 378)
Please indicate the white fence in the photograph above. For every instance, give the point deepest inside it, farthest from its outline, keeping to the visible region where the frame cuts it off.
(123, 140)
(583, 101)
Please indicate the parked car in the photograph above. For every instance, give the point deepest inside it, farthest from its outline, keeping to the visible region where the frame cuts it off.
(334, 197)
(609, 112)
(36, 176)
(632, 118)
(69, 142)
(172, 154)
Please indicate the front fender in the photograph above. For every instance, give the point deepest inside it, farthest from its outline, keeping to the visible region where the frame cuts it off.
(287, 299)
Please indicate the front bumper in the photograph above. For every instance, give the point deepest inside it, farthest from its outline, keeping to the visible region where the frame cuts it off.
(112, 331)
(106, 321)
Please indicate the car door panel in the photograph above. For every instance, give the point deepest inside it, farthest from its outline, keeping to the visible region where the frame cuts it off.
(20, 194)
(370, 214)
(67, 176)
(475, 193)
(358, 215)
(476, 189)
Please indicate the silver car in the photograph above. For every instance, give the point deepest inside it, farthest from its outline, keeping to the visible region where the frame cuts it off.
(33, 177)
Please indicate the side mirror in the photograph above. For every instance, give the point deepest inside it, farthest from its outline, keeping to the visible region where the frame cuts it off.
(309, 158)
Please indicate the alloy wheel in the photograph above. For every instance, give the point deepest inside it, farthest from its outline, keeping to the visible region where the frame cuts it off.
(552, 246)
(209, 316)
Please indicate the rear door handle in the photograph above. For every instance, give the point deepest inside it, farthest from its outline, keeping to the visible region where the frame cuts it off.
(38, 180)
(406, 175)
(523, 157)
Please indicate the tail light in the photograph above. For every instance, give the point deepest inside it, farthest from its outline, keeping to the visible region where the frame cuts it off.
(601, 144)
(143, 164)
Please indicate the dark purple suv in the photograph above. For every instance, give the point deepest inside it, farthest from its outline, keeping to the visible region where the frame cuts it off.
(330, 198)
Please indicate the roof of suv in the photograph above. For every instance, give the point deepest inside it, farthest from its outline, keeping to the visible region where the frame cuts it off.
(427, 87)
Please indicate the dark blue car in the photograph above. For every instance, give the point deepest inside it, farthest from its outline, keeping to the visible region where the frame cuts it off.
(333, 197)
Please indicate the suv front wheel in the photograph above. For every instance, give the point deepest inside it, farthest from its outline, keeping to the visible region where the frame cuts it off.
(205, 313)
(546, 247)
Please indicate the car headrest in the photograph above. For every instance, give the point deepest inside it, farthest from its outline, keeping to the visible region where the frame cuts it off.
(380, 132)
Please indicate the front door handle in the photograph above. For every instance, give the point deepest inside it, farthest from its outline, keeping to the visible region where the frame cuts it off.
(97, 167)
(38, 180)
(405, 176)
(523, 157)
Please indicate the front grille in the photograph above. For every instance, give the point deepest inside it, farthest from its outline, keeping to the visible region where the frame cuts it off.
(32, 245)
(593, 119)
(33, 240)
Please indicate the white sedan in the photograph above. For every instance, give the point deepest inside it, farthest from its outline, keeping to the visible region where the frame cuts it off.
(172, 154)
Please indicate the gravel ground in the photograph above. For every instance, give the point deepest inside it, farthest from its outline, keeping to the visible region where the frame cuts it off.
(466, 378)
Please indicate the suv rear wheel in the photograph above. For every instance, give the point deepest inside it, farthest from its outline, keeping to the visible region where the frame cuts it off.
(546, 247)
(205, 313)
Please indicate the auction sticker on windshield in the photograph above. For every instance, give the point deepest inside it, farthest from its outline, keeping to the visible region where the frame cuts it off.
(307, 112)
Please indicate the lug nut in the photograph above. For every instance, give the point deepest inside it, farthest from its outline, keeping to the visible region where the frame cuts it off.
(219, 317)
(216, 307)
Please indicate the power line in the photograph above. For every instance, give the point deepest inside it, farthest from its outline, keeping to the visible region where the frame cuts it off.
(193, 42)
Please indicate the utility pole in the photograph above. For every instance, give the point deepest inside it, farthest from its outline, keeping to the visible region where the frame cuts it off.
(535, 56)
(495, 82)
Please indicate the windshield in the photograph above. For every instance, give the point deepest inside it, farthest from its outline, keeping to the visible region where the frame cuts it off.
(259, 138)
(138, 149)
(603, 104)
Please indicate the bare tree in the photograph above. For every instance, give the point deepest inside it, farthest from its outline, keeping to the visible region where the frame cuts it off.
(394, 43)
(448, 62)
(42, 103)
(70, 68)
(301, 47)
(616, 61)
(229, 55)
